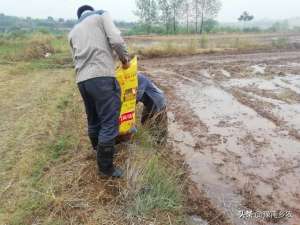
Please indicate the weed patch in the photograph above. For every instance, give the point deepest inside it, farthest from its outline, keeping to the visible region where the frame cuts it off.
(60, 146)
(160, 189)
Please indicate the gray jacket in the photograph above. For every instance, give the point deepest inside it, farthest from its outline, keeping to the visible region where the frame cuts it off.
(92, 41)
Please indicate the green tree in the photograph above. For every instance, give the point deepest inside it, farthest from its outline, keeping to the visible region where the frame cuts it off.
(50, 18)
(147, 12)
(165, 13)
(245, 17)
(170, 13)
(210, 25)
(280, 26)
(187, 6)
(204, 10)
(176, 7)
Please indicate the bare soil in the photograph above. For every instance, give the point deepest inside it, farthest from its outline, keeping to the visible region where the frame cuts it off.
(235, 120)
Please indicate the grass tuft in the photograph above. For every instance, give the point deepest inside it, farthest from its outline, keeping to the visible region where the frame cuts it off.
(60, 146)
(160, 189)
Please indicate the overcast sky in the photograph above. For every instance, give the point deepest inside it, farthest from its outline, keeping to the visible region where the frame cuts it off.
(123, 9)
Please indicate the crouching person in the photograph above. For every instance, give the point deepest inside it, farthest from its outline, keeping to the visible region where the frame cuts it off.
(154, 115)
(92, 41)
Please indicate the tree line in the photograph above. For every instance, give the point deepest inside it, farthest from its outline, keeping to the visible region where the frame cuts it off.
(18, 25)
(193, 15)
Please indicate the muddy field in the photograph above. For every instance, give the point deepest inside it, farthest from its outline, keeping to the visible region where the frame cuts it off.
(235, 120)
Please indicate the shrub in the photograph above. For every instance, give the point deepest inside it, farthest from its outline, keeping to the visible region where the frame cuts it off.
(38, 46)
(37, 50)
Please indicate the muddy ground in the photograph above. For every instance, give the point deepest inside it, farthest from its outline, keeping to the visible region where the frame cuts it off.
(235, 120)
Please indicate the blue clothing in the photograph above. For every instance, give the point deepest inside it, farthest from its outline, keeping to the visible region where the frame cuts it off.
(99, 12)
(150, 94)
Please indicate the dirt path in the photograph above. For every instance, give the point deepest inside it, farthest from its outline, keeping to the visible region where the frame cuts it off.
(235, 118)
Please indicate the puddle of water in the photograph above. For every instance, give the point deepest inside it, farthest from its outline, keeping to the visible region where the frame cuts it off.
(205, 73)
(258, 69)
(292, 79)
(289, 113)
(252, 147)
(245, 148)
(264, 99)
(214, 105)
(196, 220)
(291, 82)
(293, 64)
(276, 84)
(252, 82)
(205, 175)
(226, 73)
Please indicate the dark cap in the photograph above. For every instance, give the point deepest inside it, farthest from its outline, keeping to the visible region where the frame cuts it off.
(82, 9)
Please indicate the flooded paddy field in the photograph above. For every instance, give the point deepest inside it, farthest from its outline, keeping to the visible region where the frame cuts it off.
(235, 120)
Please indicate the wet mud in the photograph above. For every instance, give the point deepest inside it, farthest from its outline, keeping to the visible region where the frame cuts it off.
(235, 120)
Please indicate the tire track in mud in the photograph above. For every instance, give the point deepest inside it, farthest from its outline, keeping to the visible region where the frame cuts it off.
(239, 156)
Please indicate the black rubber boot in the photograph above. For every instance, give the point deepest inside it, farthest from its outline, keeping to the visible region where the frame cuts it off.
(94, 142)
(105, 156)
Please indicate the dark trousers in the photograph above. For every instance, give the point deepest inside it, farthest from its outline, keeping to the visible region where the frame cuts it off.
(102, 102)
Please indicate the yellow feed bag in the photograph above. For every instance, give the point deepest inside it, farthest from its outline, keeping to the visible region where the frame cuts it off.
(128, 82)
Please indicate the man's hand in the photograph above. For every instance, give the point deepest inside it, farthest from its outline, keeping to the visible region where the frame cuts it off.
(126, 65)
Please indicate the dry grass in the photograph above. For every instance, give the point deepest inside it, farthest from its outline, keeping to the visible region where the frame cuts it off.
(48, 170)
(172, 49)
(36, 46)
(180, 45)
(30, 115)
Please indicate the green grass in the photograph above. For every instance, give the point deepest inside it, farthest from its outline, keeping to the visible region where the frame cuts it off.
(157, 189)
(144, 139)
(64, 102)
(160, 189)
(60, 146)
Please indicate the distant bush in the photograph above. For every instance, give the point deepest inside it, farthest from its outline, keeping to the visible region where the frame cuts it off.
(14, 35)
(227, 29)
(210, 26)
(44, 31)
(282, 42)
(38, 49)
(141, 29)
(296, 29)
(34, 46)
(38, 46)
(279, 27)
(252, 30)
